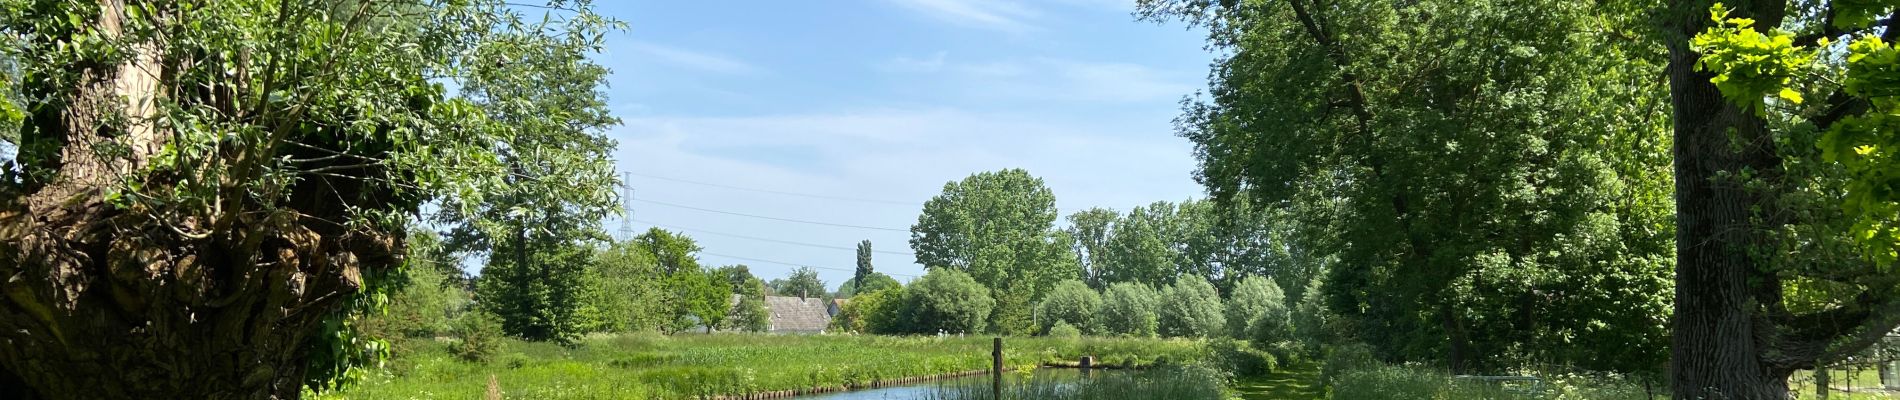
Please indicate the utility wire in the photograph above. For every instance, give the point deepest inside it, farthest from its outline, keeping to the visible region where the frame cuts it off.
(798, 265)
(770, 218)
(767, 239)
(815, 196)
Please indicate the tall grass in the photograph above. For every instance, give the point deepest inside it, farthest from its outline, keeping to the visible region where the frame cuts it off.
(1174, 383)
(656, 366)
(1410, 382)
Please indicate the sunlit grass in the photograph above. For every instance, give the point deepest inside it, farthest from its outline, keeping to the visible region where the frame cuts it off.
(656, 366)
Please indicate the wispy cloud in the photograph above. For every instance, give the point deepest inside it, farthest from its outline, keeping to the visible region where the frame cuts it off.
(1000, 15)
(694, 60)
(1048, 78)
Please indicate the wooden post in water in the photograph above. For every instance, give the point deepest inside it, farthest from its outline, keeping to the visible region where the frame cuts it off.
(996, 370)
(1087, 361)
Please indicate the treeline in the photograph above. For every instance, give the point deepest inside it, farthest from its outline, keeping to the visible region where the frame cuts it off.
(653, 282)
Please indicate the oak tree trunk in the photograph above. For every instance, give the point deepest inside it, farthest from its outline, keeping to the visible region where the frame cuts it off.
(1717, 340)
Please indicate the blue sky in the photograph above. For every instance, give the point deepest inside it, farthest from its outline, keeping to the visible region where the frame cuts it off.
(886, 100)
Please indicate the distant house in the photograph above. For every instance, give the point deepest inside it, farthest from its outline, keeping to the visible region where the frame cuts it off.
(837, 306)
(798, 315)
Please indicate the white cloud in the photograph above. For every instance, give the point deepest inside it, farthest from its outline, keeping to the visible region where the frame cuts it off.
(697, 61)
(1000, 15)
(895, 154)
(1049, 79)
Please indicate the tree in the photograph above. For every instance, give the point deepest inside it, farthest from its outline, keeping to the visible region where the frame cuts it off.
(1251, 298)
(998, 227)
(623, 290)
(429, 297)
(947, 300)
(675, 252)
(1752, 156)
(537, 297)
(879, 312)
(1312, 323)
(260, 159)
(1142, 247)
(874, 281)
(1191, 308)
(749, 314)
(1130, 309)
(1071, 301)
(803, 283)
(1460, 153)
(1090, 230)
(864, 262)
(697, 298)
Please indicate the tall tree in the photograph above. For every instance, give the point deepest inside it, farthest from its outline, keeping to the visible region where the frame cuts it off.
(675, 252)
(200, 187)
(1464, 144)
(1142, 247)
(623, 291)
(864, 262)
(1753, 161)
(999, 227)
(1089, 231)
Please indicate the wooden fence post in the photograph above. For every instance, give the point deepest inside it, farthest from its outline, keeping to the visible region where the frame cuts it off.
(996, 370)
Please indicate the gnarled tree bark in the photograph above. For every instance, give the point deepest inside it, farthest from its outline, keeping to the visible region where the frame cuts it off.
(103, 300)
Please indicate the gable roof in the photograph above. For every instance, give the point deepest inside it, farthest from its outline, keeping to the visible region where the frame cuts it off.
(792, 314)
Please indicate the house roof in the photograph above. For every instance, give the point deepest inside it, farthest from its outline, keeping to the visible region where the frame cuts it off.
(792, 314)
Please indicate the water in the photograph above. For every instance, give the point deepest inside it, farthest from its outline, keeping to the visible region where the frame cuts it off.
(921, 389)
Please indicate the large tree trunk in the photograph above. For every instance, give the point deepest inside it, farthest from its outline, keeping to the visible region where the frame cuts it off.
(1718, 336)
(107, 300)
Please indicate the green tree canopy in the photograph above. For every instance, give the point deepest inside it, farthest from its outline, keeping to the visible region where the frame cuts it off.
(1071, 301)
(1130, 309)
(947, 300)
(1464, 157)
(1191, 308)
(998, 227)
(872, 282)
(1252, 297)
(803, 282)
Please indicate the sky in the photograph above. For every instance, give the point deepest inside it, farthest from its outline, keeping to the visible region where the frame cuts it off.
(852, 113)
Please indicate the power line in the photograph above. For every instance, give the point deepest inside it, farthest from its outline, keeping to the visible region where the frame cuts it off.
(815, 196)
(769, 217)
(767, 239)
(797, 264)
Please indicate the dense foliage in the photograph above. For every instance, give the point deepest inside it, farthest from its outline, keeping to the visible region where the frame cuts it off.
(1071, 302)
(1484, 205)
(1190, 308)
(999, 228)
(947, 301)
(1130, 309)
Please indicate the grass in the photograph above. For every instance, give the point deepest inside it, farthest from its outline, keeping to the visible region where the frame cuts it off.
(1291, 382)
(1862, 381)
(1396, 382)
(690, 366)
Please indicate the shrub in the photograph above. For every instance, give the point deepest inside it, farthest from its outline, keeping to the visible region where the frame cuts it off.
(1242, 358)
(749, 315)
(478, 337)
(1272, 326)
(1071, 301)
(1345, 358)
(1384, 382)
(1311, 321)
(1191, 308)
(1062, 329)
(1129, 309)
(1250, 298)
(947, 300)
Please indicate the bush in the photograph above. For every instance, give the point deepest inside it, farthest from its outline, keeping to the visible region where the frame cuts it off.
(1340, 359)
(1062, 329)
(1191, 308)
(1311, 321)
(1242, 358)
(1071, 301)
(1129, 309)
(1383, 382)
(949, 301)
(1250, 298)
(876, 312)
(1272, 326)
(478, 337)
